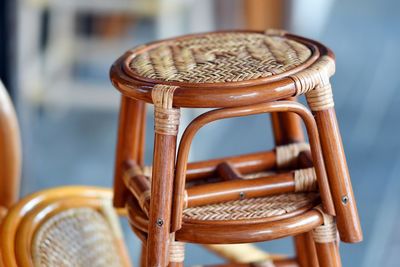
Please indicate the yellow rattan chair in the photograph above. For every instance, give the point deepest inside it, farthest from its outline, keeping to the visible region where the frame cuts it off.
(66, 226)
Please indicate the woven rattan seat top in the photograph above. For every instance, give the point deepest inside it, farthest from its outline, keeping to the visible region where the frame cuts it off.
(252, 208)
(223, 69)
(217, 58)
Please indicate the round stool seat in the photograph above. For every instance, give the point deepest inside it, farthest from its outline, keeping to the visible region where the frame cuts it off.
(217, 58)
(217, 69)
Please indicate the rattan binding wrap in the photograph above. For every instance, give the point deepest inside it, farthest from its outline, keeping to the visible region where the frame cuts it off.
(220, 57)
(327, 232)
(286, 155)
(252, 208)
(166, 118)
(75, 237)
(176, 250)
(314, 83)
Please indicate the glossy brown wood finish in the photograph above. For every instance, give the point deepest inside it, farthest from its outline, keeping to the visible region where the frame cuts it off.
(10, 151)
(287, 127)
(247, 163)
(278, 106)
(339, 179)
(328, 254)
(161, 198)
(227, 171)
(128, 144)
(240, 189)
(239, 231)
(203, 233)
(305, 250)
(143, 252)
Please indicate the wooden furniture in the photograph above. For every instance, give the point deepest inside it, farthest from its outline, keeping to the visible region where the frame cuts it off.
(240, 73)
(66, 226)
(10, 153)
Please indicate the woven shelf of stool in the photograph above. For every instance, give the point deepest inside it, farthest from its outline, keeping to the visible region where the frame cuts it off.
(204, 223)
(259, 209)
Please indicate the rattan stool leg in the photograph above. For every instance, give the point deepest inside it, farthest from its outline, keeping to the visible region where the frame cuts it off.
(338, 174)
(143, 254)
(305, 250)
(328, 254)
(314, 83)
(128, 143)
(166, 122)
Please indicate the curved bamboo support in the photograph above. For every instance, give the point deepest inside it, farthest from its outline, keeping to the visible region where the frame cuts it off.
(289, 139)
(238, 233)
(279, 106)
(10, 152)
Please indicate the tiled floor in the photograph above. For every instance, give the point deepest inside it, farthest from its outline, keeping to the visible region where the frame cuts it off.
(78, 147)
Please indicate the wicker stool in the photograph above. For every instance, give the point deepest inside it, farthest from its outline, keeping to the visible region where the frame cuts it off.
(242, 73)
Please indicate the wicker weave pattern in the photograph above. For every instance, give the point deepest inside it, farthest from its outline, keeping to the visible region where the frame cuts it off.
(222, 57)
(252, 208)
(75, 237)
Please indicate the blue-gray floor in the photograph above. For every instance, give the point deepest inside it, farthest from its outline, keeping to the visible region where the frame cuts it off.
(78, 147)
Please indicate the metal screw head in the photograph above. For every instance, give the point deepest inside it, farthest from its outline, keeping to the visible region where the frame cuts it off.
(160, 222)
(241, 195)
(345, 200)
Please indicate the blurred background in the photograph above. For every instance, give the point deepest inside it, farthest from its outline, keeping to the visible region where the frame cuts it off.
(55, 56)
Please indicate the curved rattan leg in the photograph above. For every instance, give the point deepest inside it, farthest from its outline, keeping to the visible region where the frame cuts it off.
(210, 116)
(287, 129)
(166, 122)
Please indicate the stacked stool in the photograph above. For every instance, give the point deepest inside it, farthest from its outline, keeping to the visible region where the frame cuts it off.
(295, 189)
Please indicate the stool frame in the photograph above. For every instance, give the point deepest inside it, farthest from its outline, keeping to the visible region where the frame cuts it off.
(312, 79)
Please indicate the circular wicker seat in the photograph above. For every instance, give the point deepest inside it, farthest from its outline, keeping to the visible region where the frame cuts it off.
(217, 69)
(217, 58)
